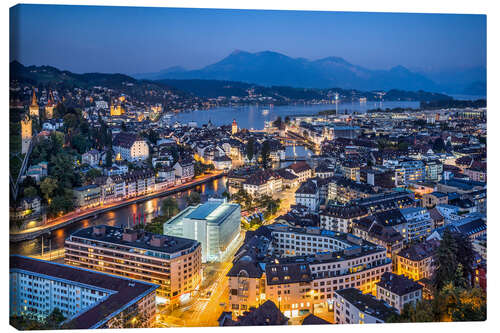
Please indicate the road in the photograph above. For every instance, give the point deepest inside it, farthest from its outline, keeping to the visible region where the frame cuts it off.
(203, 311)
(86, 213)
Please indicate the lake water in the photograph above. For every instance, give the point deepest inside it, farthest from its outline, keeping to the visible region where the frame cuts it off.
(254, 116)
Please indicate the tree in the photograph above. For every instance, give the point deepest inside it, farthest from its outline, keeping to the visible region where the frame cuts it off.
(403, 146)
(277, 122)
(30, 192)
(80, 143)
(62, 203)
(250, 148)
(169, 207)
(92, 174)
(194, 198)
(62, 167)
(287, 120)
(70, 121)
(438, 146)
(453, 260)
(54, 319)
(48, 186)
(109, 158)
(266, 150)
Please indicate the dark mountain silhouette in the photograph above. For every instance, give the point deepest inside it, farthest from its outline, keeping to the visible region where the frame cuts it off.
(272, 68)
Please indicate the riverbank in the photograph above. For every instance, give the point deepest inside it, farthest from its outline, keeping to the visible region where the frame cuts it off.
(73, 217)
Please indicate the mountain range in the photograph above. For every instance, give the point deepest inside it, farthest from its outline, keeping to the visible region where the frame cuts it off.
(269, 68)
(52, 77)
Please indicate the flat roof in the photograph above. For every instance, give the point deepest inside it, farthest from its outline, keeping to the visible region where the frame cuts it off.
(212, 212)
(367, 303)
(123, 291)
(114, 235)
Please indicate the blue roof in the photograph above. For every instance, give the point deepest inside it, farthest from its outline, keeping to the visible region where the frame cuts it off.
(202, 211)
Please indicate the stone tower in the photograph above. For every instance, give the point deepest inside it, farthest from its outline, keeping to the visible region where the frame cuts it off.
(49, 108)
(34, 109)
(26, 133)
(234, 127)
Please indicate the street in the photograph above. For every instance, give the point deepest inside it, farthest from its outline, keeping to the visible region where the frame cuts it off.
(205, 308)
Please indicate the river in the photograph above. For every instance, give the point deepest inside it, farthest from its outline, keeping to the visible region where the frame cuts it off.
(117, 217)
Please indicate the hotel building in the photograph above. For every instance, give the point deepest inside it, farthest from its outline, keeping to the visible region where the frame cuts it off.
(173, 263)
(87, 299)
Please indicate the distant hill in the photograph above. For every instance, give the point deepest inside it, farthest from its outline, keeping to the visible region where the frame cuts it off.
(467, 81)
(275, 69)
(216, 88)
(47, 75)
(161, 74)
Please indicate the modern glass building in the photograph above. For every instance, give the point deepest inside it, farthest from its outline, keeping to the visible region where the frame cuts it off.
(215, 224)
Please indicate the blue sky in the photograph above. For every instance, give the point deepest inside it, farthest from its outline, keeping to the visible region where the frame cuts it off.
(134, 40)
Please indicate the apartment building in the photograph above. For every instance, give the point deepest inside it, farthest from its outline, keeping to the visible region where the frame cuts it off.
(345, 190)
(398, 291)
(354, 307)
(184, 170)
(408, 172)
(130, 147)
(304, 269)
(86, 298)
(173, 263)
(308, 195)
(301, 170)
(340, 218)
(265, 182)
(416, 262)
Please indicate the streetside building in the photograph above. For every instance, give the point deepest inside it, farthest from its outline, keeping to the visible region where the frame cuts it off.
(308, 195)
(300, 268)
(416, 262)
(340, 218)
(173, 263)
(216, 224)
(130, 147)
(398, 290)
(265, 182)
(354, 307)
(86, 298)
(87, 196)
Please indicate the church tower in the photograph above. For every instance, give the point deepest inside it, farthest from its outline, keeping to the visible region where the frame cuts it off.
(34, 109)
(26, 133)
(49, 108)
(116, 109)
(234, 127)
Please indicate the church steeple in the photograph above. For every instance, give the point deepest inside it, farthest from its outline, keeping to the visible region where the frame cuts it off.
(34, 109)
(33, 98)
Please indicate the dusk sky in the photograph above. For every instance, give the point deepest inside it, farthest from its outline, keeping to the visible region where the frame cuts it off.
(135, 40)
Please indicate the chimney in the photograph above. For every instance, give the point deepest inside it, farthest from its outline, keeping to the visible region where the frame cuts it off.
(99, 230)
(157, 240)
(130, 235)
